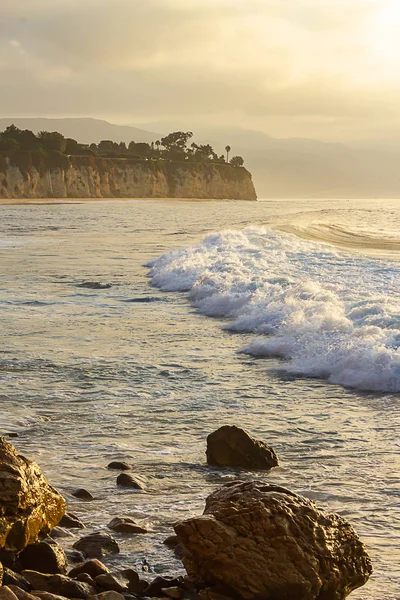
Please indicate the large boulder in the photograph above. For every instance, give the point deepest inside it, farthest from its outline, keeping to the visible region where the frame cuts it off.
(263, 541)
(231, 446)
(29, 505)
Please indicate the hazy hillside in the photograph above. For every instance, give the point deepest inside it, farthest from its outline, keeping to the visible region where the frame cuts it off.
(285, 168)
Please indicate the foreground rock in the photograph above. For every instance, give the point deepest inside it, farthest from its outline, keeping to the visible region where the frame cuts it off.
(45, 557)
(263, 541)
(29, 505)
(231, 446)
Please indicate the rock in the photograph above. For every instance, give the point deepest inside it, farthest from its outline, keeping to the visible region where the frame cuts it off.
(173, 542)
(47, 595)
(10, 559)
(29, 505)
(97, 545)
(15, 579)
(85, 577)
(22, 594)
(92, 567)
(95, 285)
(74, 556)
(45, 582)
(7, 594)
(119, 465)
(76, 589)
(111, 581)
(135, 584)
(82, 494)
(173, 592)
(71, 521)
(160, 584)
(60, 532)
(12, 434)
(44, 557)
(110, 595)
(127, 480)
(231, 446)
(263, 541)
(125, 525)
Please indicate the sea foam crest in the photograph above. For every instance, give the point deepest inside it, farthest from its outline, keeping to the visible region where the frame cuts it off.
(328, 314)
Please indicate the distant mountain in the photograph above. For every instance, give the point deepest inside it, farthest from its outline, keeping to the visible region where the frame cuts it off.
(281, 168)
(83, 130)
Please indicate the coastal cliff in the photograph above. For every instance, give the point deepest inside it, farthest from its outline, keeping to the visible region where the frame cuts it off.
(85, 177)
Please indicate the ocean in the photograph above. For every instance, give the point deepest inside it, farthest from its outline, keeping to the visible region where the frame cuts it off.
(133, 329)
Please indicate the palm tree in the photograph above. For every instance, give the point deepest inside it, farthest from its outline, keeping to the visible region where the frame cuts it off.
(227, 150)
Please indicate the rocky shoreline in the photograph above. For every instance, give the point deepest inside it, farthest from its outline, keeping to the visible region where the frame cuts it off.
(254, 541)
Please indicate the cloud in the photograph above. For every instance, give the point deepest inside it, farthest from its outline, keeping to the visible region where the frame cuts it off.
(148, 59)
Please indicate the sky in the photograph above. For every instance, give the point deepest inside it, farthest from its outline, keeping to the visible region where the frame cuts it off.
(326, 69)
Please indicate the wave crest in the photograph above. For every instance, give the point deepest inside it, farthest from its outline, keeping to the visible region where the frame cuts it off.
(328, 314)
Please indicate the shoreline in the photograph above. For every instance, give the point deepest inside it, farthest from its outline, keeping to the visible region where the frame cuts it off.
(50, 201)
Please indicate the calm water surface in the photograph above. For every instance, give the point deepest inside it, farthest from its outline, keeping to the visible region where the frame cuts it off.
(132, 372)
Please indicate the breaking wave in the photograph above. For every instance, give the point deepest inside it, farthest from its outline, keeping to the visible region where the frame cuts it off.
(327, 314)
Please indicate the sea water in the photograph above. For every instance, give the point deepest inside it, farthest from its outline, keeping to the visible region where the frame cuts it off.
(132, 329)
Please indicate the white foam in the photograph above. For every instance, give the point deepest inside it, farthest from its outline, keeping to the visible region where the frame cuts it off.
(328, 314)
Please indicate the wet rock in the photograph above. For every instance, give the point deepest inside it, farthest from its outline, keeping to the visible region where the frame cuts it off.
(74, 556)
(92, 567)
(76, 589)
(119, 465)
(60, 532)
(22, 594)
(7, 594)
(29, 506)
(44, 557)
(11, 578)
(173, 542)
(125, 525)
(231, 446)
(12, 434)
(110, 595)
(97, 545)
(82, 494)
(263, 541)
(127, 480)
(157, 587)
(70, 521)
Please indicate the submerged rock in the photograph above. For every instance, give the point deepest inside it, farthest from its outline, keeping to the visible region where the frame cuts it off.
(119, 465)
(231, 446)
(82, 494)
(263, 541)
(97, 545)
(29, 505)
(126, 480)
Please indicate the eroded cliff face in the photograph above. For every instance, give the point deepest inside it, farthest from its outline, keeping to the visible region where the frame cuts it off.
(130, 179)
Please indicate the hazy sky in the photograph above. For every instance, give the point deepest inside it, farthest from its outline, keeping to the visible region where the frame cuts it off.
(317, 68)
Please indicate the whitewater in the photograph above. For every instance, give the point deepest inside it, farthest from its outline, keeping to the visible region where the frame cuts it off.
(326, 313)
